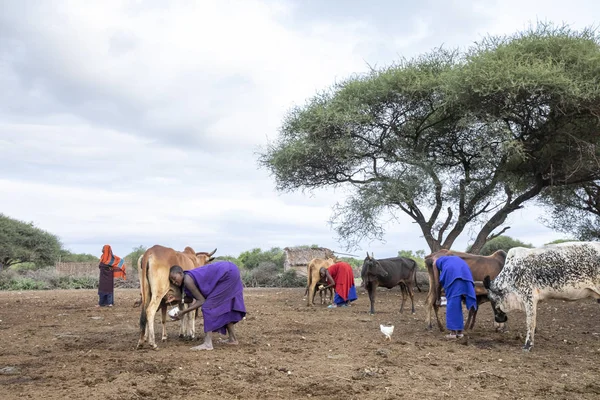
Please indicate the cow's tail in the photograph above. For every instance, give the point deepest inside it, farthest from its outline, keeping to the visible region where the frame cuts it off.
(308, 278)
(431, 271)
(416, 268)
(145, 290)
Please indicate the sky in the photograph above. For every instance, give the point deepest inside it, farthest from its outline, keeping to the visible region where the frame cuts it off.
(139, 122)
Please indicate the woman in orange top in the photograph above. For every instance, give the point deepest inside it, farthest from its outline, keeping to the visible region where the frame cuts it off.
(340, 276)
(109, 264)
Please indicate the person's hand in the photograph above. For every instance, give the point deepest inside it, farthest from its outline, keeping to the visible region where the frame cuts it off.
(171, 298)
(321, 287)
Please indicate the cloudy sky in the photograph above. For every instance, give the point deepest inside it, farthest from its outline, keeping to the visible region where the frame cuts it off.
(138, 122)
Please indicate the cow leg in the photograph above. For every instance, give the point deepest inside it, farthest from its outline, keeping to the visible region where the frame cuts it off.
(163, 319)
(192, 325)
(432, 306)
(372, 288)
(437, 318)
(311, 294)
(403, 291)
(412, 298)
(183, 321)
(148, 332)
(530, 310)
(471, 319)
(184, 327)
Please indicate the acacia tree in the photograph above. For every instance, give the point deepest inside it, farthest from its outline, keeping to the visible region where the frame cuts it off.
(452, 139)
(23, 242)
(575, 209)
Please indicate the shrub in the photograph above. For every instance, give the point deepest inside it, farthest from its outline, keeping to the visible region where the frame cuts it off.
(268, 274)
(290, 279)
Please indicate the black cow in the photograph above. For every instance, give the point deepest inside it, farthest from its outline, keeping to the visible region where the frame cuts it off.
(389, 272)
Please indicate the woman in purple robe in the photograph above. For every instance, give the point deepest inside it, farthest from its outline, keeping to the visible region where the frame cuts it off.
(218, 289)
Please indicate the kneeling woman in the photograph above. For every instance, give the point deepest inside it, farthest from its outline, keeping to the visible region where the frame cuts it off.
(218, 289)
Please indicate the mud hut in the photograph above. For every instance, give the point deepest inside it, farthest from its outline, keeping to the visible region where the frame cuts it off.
(297, 258)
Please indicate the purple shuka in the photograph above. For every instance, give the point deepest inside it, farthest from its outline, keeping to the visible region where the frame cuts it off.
(221, 286)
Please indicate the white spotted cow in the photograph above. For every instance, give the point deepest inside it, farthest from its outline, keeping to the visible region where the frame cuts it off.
(565, 271)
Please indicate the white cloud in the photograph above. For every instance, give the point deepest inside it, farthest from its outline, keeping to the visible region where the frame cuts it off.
(129, 122)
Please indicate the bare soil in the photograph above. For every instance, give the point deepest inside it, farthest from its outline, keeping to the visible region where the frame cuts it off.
(56, 344)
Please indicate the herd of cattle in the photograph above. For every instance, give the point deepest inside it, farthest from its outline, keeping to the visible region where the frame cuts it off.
(518, 279)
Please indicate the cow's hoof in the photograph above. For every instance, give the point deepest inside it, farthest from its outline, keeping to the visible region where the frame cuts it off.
(154, 347)
(164, 339)
(527, 347)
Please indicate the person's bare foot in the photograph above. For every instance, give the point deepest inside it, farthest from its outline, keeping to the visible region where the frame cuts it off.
(203, 346)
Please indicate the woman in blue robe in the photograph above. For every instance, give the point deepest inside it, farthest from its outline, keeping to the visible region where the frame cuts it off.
(457, 281)
(218, 289)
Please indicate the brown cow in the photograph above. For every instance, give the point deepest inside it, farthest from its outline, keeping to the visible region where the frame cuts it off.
(480, 267)
(313, 277)
(155, 285)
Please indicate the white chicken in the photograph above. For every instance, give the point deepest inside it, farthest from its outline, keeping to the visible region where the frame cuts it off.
(387, 331)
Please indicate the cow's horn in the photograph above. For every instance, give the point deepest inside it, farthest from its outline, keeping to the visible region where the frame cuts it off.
(213, 252)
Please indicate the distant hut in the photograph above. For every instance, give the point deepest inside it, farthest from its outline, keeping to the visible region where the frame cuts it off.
(297, 258)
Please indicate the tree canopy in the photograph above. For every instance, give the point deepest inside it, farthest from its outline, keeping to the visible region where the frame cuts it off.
(450, 138)
(22, 242)
(575, 209)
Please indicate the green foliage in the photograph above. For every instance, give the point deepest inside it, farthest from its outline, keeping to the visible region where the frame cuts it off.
(67, 256)
(451, 139)
(22, 242)
(355, 263)
(267, 274)
(25, 266)
(501, 243)
(230, 259)
(131, 259)
(574, 209)
(251, 259)
(44, 279)
(418, 256)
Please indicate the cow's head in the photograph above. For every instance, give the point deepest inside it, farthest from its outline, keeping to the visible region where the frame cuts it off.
(497, 298)
(203, 258)
(372, 268)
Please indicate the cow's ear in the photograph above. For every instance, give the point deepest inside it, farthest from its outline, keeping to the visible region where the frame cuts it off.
(210, 259)
(486, 282)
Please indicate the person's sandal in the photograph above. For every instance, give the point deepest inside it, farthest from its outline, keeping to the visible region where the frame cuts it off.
(451, 336)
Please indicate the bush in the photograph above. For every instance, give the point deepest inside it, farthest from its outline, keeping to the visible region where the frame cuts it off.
(25, 266)
(504, 243)
(290, 279)
(268, 274)
(44, 279)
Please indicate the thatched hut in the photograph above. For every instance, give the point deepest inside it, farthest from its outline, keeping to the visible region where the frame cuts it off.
(297, 258)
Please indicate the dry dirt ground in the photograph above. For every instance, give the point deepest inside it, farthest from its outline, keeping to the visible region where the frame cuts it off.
(56, 344)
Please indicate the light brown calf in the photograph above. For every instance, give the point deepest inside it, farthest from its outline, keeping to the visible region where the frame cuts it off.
(154, 285)
(313, 277)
